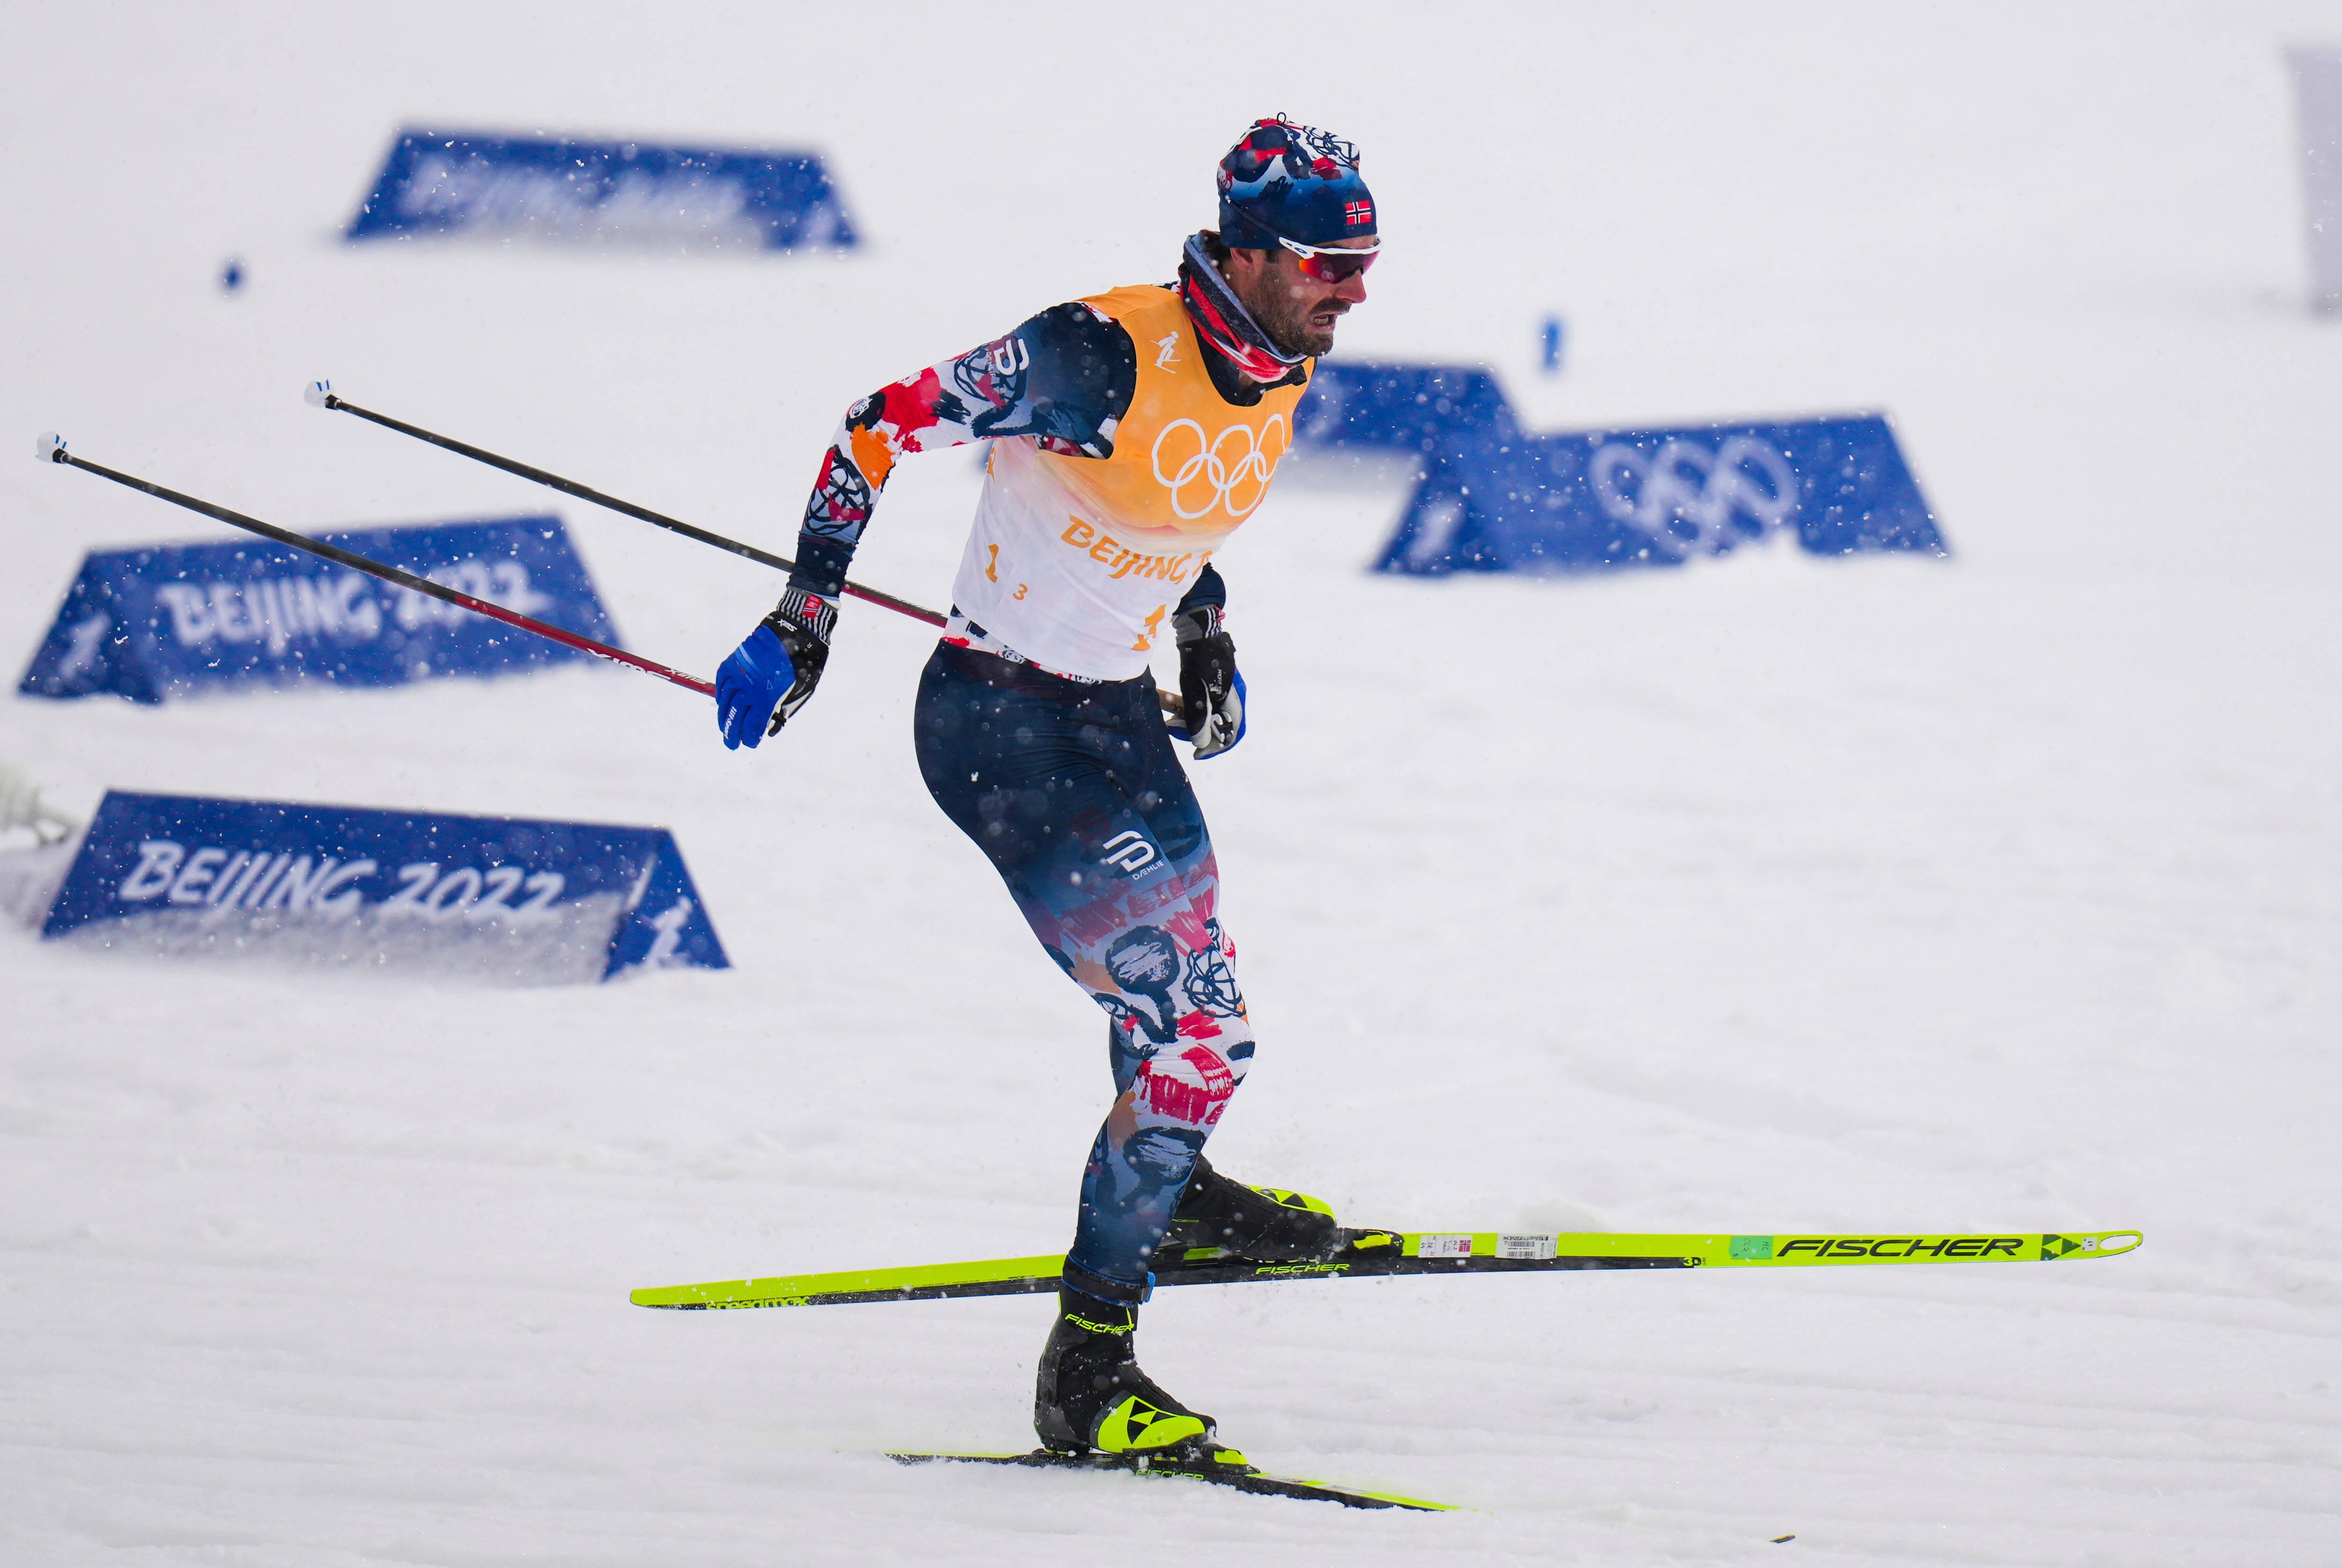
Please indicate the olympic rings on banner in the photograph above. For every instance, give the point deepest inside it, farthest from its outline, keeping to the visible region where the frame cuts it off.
(1682, 486)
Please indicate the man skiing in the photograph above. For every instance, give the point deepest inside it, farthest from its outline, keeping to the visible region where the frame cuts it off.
(1130, 434)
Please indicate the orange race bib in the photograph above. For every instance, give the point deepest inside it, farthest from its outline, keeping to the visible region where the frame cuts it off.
(1076, 562)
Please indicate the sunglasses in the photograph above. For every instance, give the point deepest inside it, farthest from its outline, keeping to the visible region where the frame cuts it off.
(1328, 264)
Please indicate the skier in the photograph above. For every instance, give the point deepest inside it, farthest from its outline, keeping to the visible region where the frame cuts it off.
(1130, 434)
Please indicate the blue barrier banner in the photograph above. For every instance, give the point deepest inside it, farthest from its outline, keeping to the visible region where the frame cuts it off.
(437, 182)
(1489, 500)
(500, 899)
(174, 620)
(1399, 408)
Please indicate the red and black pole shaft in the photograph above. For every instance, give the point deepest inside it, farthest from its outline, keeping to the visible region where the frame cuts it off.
(322, 394)
(53, 449)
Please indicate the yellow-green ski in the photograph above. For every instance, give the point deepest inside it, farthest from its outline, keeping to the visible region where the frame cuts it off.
(1239, 1475)
(1368, 1253)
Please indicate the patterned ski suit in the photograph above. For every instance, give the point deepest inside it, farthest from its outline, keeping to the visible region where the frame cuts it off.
(1124, 452)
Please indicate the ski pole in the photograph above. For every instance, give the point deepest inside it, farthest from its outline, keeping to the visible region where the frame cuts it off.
(320, 394)
(52, 449)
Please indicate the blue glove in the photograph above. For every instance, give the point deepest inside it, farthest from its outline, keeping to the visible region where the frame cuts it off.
(772, 674)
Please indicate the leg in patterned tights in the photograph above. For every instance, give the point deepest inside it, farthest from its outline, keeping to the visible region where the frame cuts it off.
(1073, 791)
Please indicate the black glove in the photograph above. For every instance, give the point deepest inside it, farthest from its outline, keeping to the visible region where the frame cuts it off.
(772, 674)
(1209, 685)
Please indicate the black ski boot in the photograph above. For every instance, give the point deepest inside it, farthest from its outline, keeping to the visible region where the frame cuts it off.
(1092, 1399)
(1265, 1225)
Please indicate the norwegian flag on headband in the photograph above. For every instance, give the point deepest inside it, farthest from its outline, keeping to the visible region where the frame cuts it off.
(1357, 212)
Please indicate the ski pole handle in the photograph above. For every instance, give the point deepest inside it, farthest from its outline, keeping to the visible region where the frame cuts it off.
(52, 449)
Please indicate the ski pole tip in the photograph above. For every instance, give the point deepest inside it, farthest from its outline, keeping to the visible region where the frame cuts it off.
(50, 448)
(318, 394)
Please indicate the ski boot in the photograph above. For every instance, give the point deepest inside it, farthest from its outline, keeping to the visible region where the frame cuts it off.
(1262, 1224)
(1092, 1400)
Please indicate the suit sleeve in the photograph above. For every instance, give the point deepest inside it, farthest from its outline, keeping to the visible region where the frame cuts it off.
(1066, 378)
(1207, 592)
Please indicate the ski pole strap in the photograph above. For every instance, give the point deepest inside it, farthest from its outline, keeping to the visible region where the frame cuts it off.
(324, 397)
(1105, 1287)
(392, 575)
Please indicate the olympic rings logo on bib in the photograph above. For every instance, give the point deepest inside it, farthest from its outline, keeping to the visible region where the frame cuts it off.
(1233, 467)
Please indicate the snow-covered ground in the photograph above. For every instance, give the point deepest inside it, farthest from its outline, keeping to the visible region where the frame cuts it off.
(1771, 893)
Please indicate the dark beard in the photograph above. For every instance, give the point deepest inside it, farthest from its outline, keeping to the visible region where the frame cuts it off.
(1287, 326)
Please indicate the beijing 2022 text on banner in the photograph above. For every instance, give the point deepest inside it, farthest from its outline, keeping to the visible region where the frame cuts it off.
(500, 899)
(1486, 502)
(622, 193)
(174, 620)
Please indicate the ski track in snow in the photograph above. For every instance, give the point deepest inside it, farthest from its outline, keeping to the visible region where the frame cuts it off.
(1772, 893)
